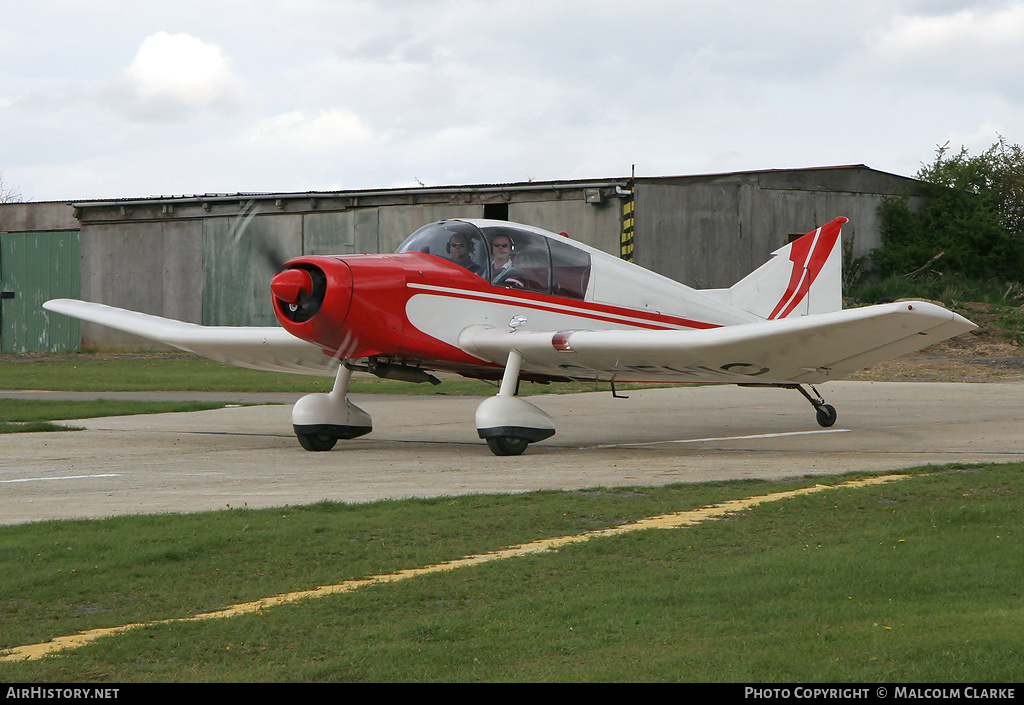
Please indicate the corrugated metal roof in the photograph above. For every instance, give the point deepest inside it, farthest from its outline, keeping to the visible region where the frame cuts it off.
(455, 188)
(362, 193)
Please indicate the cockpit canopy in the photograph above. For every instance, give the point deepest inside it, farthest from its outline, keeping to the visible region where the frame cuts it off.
(537, 263)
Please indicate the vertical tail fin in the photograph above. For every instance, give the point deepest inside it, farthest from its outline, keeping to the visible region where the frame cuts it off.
(802, 278)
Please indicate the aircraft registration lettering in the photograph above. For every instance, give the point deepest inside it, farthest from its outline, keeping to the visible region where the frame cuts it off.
(726, 370)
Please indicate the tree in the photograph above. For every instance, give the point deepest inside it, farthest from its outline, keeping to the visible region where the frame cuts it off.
(9, 194)
(973, 214)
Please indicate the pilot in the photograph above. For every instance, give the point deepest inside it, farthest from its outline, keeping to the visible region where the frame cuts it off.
(503, 273)
(460, 251)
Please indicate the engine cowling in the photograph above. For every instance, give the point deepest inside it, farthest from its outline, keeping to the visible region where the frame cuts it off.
(349, 306)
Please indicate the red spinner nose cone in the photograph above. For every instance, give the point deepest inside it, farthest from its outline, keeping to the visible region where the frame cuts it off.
(290, 284)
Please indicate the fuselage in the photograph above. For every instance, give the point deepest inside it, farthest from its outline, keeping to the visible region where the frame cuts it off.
(411, 306)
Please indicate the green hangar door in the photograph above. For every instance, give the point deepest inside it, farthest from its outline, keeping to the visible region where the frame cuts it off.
(36, 267)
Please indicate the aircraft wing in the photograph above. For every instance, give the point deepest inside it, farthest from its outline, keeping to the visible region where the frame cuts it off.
(258, 348)
(809, 349)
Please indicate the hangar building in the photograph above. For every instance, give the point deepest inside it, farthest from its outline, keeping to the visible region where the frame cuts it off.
(202, 258)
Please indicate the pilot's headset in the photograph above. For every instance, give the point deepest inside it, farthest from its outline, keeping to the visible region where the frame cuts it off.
(511, 242)
(470, 245)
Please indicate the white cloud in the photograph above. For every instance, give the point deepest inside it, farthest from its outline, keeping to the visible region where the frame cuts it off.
(978, 48)
(175, 75)
(120, 98)
(324, 130)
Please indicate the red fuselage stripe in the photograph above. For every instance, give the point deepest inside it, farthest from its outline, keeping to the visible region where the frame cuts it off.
(594, 312)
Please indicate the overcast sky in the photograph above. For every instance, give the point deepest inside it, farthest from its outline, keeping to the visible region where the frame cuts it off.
(118, 98)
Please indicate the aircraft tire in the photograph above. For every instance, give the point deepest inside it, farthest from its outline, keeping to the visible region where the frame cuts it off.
(826, 415)
(506, 445)
(316, 441)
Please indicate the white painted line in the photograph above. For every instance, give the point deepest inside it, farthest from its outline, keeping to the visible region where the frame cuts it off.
(64, 477)
(725, 438)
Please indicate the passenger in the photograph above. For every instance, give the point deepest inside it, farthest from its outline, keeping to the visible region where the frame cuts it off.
(503, 273)
(460, 249)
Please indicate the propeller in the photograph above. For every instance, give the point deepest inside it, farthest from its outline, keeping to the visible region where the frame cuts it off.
(301, 289)
(261, 247)
(273, 257)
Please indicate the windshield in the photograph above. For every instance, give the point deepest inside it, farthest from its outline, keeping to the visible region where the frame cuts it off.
(455, 240)
(507, 256)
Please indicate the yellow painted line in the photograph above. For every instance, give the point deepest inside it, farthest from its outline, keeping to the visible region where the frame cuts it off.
(674, 520)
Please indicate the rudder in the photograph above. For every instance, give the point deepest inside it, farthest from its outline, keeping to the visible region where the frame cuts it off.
(802, 278)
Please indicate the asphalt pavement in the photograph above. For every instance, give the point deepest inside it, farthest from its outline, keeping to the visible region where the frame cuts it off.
(425, 446)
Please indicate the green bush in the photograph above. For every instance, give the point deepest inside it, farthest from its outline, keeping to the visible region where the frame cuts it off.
(973, 215)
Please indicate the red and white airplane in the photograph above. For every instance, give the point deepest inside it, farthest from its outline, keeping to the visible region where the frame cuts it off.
(498, 300)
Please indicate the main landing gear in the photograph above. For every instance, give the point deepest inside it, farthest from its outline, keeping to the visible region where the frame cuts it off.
(320, 420)
(505, 421)
(509, 423)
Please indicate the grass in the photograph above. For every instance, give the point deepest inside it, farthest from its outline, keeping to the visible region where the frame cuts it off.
(951, 290)
(992, 303)
(185, 372)
(913, 581)
(143, 372)
(27, 415)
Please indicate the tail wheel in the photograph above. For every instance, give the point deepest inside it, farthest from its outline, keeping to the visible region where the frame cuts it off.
(826, 415)
(506, 445)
